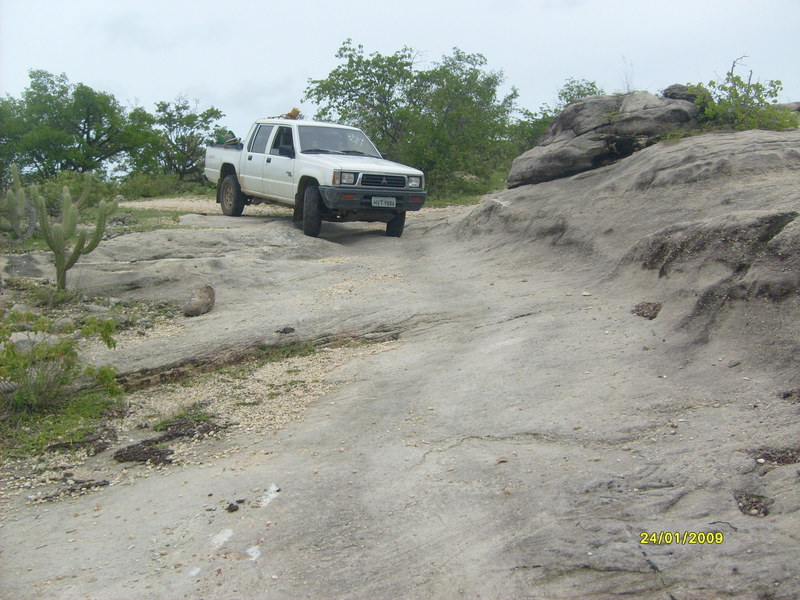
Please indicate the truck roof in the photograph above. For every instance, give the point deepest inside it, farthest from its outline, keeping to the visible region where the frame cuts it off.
(281, 121)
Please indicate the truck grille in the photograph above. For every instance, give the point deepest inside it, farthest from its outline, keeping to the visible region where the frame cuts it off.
(391, 181)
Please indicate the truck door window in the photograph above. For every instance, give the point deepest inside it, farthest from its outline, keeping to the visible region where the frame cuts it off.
(260, 139)
(282, 138)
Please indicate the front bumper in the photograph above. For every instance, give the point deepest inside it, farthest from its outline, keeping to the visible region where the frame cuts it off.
(360, 199)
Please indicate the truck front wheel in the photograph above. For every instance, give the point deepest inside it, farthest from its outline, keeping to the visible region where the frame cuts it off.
(312, 211)
(231, 198)
(394, 228)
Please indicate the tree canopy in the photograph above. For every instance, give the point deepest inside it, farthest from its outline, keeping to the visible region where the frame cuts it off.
(177, 141)
(369, 92)
(455, 119)
(57, 126)
(447, 120)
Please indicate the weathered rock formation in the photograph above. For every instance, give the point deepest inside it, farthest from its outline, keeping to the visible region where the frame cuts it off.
(755, 255)
(678, 91)
(702, 157)
(712, 216)
(734, 240)
(791, 106)
(708, 226)
(598, 131)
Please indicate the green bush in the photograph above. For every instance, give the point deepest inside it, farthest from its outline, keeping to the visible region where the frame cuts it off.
(740, 104)
(43, 374)
(90, 189)
(142, 185)
(44, 371)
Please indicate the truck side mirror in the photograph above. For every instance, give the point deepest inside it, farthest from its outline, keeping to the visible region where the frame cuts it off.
(286, 150)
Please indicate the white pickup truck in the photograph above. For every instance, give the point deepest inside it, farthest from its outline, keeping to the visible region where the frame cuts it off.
(326, 172)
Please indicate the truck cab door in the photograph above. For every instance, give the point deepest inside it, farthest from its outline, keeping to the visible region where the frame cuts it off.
(254, 160)
(279, 166)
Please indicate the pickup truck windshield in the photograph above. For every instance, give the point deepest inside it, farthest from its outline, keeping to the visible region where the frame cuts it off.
(334, 140)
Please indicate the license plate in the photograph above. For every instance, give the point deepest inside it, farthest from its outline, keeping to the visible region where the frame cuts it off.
(384, 201)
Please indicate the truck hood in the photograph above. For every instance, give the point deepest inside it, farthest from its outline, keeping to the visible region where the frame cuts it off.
(362, 164)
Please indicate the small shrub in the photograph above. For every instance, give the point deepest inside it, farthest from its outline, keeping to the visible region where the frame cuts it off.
(44, 371)
(106, 378)
(41, 373)
(193, 414)
(741, 104)
(291, 350)
(142, 185)
(89, 188)
(105, 328)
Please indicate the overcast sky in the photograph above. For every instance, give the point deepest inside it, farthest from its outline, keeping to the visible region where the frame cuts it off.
(254, 58)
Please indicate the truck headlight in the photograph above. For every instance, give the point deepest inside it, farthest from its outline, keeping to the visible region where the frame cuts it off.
(344, 178)
(415, 182)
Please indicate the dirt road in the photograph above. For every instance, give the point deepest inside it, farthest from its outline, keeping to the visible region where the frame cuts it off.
(522, 438)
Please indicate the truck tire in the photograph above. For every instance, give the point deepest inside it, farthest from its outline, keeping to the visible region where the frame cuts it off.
(231, 198)
(312, 211)
(394, 228)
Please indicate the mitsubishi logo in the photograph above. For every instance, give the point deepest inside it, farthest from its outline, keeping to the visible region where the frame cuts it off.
(383, 181)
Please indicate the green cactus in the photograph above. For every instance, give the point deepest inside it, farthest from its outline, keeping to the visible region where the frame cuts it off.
(15, 206)
(59, 235)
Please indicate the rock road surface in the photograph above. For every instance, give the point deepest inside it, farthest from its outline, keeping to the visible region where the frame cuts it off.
(523, 437)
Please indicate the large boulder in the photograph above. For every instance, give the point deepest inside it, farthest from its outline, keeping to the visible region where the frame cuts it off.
(597, 131)
(678, 91)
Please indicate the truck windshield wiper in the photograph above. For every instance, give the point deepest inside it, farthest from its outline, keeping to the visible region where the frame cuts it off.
(318, 151)
(356, 152)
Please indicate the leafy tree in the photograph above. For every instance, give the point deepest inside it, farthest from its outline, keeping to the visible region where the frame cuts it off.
(740, 104)
(459, 120)
(369, 92)
(572, 91)
(9, 131)
(57, 126)
(447, 120)
(526, 131)
(177, 141)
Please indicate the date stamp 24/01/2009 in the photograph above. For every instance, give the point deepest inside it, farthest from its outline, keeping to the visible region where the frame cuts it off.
(681, 537)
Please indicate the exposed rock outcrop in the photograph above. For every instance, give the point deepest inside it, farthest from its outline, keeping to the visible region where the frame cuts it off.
(791, 106)
(735, 240)
(598, 131)
(759, 249)
(708, 226)
(678, 91)
(698, 158)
